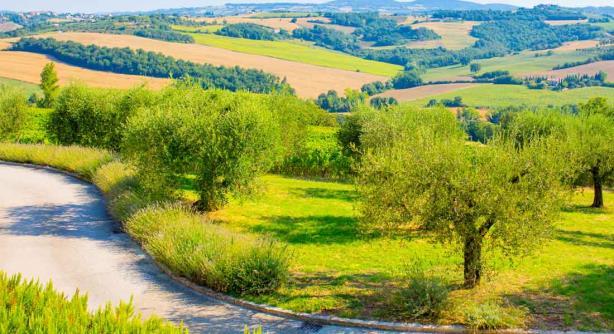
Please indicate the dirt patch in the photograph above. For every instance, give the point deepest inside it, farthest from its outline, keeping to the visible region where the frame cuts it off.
(417, 93)
(26, 66)
(308, 80)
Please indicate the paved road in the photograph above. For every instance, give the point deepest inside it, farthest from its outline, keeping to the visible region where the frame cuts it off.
(55, 227)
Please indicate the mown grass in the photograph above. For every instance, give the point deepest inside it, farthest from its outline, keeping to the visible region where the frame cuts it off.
(496, 96)
(339, 271)
(298, 52)
(522, 63)
(31, 307)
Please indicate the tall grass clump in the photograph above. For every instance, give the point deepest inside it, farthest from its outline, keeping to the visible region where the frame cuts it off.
(210, 254)
(80, 160)
(31, 307)
(492, 316)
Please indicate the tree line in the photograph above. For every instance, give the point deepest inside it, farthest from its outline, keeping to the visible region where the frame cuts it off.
(140, 62)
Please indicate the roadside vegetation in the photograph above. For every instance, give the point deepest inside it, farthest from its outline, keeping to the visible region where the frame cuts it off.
(398, 213)
(27, 306)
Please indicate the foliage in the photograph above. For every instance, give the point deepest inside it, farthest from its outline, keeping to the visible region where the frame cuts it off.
(224, 139)
(540, 13)
(424, 295)
(95, 117)
(379, 102)
(249, 31)
(332, 102)
(49, 85)
(13, 108)
(31, 307)
(210, 254)
(406, 79)
(417, 166)
(476, 129)
(492, 316)
(328, 38)
(140, 62)
(475, 67)
(375, 87)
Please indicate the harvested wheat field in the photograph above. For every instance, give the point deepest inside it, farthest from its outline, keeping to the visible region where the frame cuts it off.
(454, 35)
(590, 69)
(26, 66)
(577, 45)
(308, 80)
(420, 92)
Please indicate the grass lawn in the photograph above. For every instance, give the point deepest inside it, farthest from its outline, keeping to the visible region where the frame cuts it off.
(495, 96)
(338, 271)
(522, 63)
(299, 52)
(27, 87)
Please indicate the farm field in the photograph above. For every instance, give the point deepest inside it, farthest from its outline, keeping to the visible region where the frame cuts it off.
(26, 67)
(590, 69)
(275, 22)
(308, 80)
(299, 52)
(496, 96)
(27, 87)
(524, 63)
(454, 35)
(338, 271)
(416, 93)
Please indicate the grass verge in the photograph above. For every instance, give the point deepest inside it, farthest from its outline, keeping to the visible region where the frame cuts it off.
(31, 307)
(180, 239)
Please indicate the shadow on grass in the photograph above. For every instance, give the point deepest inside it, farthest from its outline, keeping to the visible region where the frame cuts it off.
(580, 238)
(311, 229)
(584, 209)
(323, 193)
(583, 300)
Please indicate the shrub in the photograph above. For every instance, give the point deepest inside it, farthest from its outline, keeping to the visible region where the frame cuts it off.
(424, 296)
(13, 107)
(491, 316)
(30, 307)
(210, 254)
(95, 117)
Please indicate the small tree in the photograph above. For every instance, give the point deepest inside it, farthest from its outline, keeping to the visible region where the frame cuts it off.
(12, 111)
(418, 171)
(475, 67)
(49, 85)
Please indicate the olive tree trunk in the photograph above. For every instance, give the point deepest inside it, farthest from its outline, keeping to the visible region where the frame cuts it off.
(597, 184)
(472, 260)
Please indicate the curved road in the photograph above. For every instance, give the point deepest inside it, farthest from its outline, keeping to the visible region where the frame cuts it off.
(55, 227)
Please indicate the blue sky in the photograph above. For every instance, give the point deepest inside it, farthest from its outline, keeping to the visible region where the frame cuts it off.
(130, 5)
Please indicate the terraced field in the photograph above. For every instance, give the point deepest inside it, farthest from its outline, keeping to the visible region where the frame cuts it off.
(308, 80)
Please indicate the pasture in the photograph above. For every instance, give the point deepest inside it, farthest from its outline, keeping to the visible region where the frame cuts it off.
(497, 96)
(308, 80)
(339, 271)
(297, 51)
(415, 93)
(275, 22)
(524, 63)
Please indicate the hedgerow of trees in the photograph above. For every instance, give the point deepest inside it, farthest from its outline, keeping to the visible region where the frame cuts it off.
(249, 31)
(140, 62)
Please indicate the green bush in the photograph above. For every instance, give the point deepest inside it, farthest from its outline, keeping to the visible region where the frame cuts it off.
(30, 307)
(13, 108)
(225, 139)
(424, 296)
(95, 117)
(210, 254)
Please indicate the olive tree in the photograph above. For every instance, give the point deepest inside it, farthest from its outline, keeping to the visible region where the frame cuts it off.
(418, 171)
(223, 139)
(13, 107)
